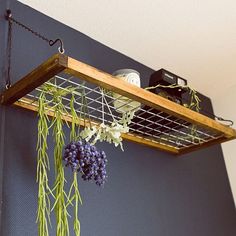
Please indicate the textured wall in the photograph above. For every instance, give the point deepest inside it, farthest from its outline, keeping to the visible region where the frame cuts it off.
(224, 104)
(3, 35)
(149, 192)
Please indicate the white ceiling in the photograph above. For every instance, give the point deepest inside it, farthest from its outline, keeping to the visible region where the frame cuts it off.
(195, 39)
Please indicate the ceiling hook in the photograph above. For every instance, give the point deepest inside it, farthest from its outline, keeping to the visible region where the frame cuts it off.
(61, 48)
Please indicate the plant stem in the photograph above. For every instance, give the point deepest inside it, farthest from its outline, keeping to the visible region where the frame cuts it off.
(43, 212)
(74, 186)
(60, 195)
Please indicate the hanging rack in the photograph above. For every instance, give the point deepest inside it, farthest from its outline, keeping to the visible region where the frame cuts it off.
(166, 126)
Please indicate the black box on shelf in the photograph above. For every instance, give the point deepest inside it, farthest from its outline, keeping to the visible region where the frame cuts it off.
(164, 78)
(162, 123)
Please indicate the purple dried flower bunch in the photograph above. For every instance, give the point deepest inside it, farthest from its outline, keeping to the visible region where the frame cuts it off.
(87, 160)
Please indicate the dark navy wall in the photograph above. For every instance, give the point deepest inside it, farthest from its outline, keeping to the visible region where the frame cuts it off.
(149, 192)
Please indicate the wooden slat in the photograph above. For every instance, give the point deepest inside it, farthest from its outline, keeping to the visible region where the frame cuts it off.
(204, 145)
(146, 142)
(37, 77)
(127, 136)
(107, 81)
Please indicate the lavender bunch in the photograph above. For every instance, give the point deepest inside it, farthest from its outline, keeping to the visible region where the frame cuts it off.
(86, 159)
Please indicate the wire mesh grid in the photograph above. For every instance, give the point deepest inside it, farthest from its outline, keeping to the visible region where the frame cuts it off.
(106, 106)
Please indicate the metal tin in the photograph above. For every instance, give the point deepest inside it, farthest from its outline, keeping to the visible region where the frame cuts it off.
(121, 103)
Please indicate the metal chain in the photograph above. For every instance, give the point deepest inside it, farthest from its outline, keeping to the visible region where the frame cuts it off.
(9, 46)
(37, 34)
(11, 20)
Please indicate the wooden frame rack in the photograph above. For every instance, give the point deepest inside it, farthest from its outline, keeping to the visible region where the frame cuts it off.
(159, 123)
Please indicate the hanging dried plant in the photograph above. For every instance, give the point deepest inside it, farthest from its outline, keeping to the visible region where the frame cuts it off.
(94, 160)
(74, 194)
(104, 132)
(61, 199)
(83, 157)
(60, 204)
(43, 212)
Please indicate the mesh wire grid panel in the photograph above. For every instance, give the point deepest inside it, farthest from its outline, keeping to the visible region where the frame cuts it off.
(105, 106)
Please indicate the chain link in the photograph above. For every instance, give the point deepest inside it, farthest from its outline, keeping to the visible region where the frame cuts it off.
(11, 20)
(9, 46)
(37, 34)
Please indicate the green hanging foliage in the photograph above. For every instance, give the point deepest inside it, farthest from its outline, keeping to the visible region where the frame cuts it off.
(43, 212)
(60, 194)
(74, 194)
(62, 200)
